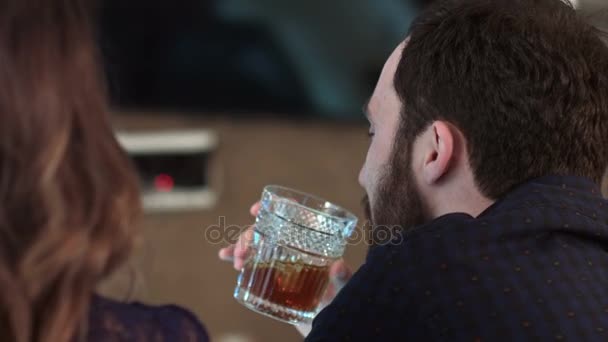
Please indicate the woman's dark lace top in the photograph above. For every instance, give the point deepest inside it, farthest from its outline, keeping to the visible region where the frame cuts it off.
(115, 321)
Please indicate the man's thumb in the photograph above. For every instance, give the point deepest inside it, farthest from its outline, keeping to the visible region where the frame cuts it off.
(339, 274)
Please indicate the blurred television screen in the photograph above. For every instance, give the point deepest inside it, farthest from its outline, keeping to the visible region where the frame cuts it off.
(294, 58)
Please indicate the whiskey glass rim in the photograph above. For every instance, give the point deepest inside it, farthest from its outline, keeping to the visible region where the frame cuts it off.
(273, 189)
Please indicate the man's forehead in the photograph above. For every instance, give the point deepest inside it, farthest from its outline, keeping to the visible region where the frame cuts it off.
(395, 57)
(385, 88)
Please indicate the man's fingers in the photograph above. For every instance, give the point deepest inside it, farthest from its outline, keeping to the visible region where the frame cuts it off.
(242, 246)
(241, 249)
(255, 208)
(239, 264)
(238, 252)
(339, 274)
(227, 253)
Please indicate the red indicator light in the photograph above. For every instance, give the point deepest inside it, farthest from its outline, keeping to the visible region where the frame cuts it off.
(163, 183)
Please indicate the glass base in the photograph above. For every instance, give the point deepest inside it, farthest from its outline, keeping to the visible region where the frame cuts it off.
(272, 310)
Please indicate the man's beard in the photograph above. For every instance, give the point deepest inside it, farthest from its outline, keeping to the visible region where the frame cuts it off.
(398, 204)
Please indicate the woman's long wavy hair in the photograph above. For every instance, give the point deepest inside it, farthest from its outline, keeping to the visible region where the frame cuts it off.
(68, 193)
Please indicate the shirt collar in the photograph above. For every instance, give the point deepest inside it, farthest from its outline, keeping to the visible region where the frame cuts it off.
(546, 187)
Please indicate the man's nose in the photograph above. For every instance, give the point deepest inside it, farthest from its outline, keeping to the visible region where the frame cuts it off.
(362, 176)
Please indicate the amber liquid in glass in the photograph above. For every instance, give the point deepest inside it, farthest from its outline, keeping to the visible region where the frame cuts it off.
(295, 285)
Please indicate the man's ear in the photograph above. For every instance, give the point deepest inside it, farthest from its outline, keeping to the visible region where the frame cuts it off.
(439, 152)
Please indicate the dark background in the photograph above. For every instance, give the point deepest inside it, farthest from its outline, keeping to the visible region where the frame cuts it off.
(237, 57)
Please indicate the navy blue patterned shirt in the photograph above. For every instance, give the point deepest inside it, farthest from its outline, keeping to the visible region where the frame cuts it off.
(533, 266)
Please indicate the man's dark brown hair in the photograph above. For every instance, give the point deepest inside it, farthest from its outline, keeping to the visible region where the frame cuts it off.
(526, 81)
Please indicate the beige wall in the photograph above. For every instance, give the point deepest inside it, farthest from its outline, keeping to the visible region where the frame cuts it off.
(177, 264)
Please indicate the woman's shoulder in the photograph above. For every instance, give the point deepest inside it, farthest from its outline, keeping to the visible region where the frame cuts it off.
(118, 321)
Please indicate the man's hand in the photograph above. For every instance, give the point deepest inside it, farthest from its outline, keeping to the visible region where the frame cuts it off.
(339, 273)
